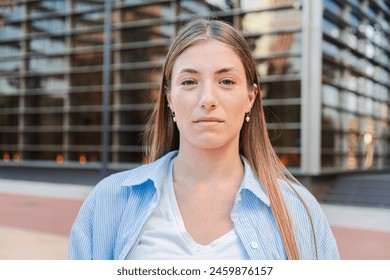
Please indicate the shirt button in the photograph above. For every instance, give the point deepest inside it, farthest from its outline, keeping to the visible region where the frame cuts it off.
(254, 245)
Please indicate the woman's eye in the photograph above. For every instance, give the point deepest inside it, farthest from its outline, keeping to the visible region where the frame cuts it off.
(188, 83)
(227, 82)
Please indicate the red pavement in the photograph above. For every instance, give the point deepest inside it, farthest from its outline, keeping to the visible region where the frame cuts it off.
(38, 213)
(53, 215)
(360, 244)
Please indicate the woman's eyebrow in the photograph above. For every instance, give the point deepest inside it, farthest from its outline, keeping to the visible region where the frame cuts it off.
(226, 69)
(188, 70)
(219, 71)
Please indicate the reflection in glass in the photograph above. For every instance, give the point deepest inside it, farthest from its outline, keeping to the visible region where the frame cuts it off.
(11, 9)
(222, 4)
(51, 26)
(10, 30)
(329, 49)
(94, 58)
(150, 33)
(271, 20)
(48, 45)
(190, 7)
(148, 12)
(88, 40)
(10, 50)
(279, 66)
(43, 7)
(48, 64)
(89, 19)
(330, 96)
(85, 5)
(330, 28)
(329, 72)
(332, 6)
(9, 85)
(350, 101)
(330, 119)
(86, 79)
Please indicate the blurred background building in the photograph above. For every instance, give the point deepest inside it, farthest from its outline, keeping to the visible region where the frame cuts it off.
(78, 79)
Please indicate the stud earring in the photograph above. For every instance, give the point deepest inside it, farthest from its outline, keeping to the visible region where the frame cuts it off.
(172, 113)
(173, 117)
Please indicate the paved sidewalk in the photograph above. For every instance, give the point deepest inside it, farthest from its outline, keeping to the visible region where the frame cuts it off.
(35, 220)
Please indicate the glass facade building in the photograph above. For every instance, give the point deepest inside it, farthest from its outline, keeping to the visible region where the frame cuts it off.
(78, 78)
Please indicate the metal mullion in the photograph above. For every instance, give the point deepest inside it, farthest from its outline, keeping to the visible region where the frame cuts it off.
(106, 88)
(23, 86)
(311, 87)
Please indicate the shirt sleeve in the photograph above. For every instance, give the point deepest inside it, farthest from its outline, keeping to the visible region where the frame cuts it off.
(81, 237)
(326, 242)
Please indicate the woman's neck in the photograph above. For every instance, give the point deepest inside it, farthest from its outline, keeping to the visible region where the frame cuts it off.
(212, 168)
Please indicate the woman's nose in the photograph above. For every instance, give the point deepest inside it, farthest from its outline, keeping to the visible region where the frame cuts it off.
(208, 99)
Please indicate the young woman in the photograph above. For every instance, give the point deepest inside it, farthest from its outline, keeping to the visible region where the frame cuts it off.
(214, 187)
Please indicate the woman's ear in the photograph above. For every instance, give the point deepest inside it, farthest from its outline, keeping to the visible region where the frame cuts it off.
(169, 102)
(252, 94)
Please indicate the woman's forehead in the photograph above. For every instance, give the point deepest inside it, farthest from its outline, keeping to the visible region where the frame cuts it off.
(207, 54)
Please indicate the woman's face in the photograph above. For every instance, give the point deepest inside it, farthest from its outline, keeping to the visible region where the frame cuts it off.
(209, 95)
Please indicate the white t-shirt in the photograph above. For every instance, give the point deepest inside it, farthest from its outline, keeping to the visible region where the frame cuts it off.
(165, 235)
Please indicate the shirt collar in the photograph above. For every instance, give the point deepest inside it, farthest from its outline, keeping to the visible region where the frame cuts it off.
(157, 171)
(252, 184)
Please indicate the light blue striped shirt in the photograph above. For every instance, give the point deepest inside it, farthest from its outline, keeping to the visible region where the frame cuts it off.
(111, 220)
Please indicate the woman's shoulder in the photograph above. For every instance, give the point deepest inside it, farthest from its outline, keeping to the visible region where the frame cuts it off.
(300, 202)
(293, 191)
(151, 172)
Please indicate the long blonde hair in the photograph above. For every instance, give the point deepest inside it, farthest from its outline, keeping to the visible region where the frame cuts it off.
(162, 135)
